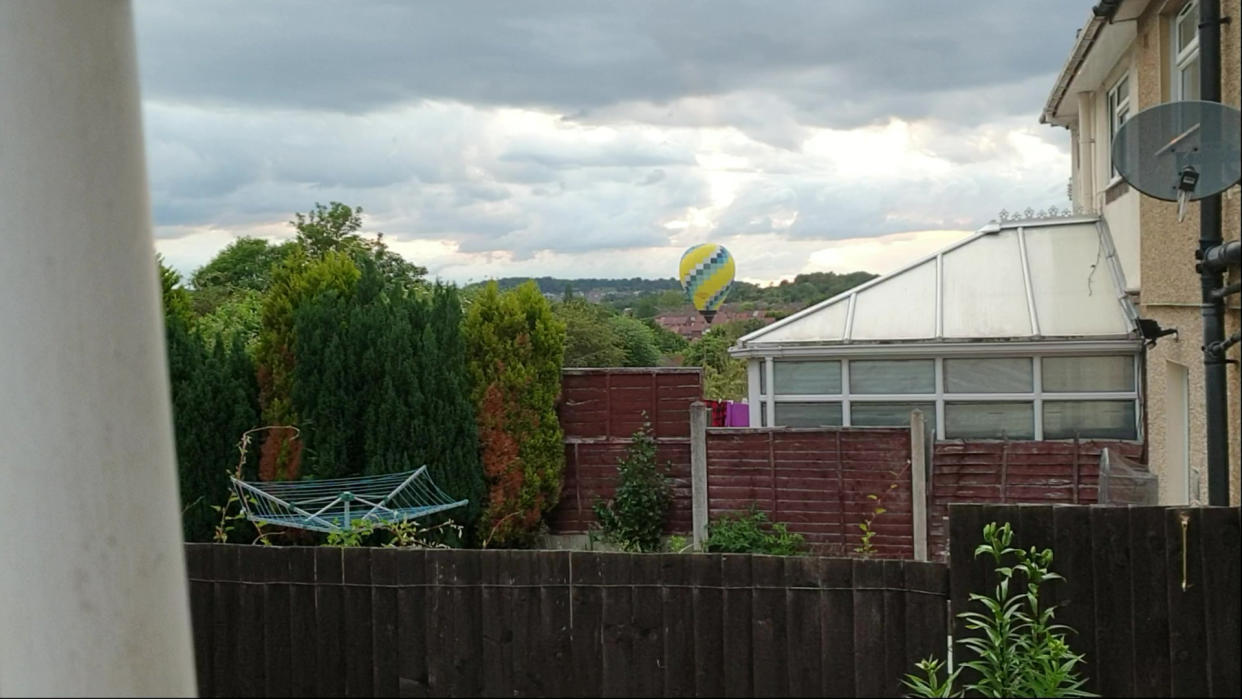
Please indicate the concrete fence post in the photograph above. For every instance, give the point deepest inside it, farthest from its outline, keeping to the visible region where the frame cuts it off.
(93, 595)
(698, 472)
(918, 483)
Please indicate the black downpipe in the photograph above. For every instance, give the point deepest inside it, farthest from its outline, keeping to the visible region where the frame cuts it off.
(1214, 381)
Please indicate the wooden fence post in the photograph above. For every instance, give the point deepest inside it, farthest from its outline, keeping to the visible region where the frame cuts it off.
(918, 483)
(698, 472)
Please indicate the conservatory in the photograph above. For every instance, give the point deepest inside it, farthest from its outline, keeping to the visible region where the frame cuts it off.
(1021, 331)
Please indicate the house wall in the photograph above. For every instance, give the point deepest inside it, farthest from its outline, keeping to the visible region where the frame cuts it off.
(1170, 291)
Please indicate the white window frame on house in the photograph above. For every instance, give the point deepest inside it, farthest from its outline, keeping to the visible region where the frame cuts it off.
(762, 389)
(1118, 112)
(1184, 56)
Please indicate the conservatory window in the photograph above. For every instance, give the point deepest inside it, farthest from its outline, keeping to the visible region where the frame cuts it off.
(1101, 419)
(1007, 375)
(889, 414)
(988, 420)
(893, 376)
(1049, 397)
(808, 378)
(1088, 374)
(808, 414)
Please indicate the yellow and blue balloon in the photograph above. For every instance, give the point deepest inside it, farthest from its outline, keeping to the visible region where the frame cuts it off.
(706, 274)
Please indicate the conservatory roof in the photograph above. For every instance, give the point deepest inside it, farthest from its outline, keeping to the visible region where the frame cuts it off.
(1017, 281)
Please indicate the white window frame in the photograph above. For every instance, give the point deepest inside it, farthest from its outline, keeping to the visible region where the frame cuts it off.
(1118, 113)
(1183, 56)
(940, 397)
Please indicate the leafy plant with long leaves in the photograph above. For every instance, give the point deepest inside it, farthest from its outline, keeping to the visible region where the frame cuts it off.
(1018, 650)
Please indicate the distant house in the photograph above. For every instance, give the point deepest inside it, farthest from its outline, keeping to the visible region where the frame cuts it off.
(690, 325)
(1022, 331)
(1129, 56)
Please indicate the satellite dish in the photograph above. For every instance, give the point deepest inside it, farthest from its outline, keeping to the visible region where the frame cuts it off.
(1180, 151)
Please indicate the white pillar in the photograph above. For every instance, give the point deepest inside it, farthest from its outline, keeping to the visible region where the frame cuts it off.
(918, 482)
(93, 596)
(698, 474)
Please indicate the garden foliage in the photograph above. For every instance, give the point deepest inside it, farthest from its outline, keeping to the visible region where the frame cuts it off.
(1017, 649)
(751, 532)
(634, 517)
(514, 347)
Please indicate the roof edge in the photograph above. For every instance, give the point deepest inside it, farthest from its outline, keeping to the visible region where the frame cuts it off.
(1101, 14)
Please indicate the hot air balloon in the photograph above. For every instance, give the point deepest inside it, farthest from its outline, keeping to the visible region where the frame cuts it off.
(707, 275)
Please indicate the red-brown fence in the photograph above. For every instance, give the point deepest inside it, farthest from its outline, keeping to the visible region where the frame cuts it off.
(599, 411)
(818, 481)
(1008, 472)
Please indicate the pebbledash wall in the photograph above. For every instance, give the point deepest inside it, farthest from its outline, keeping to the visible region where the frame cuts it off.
(817, 480)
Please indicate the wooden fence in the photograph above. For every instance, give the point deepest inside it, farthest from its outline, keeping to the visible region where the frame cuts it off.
(384, 622)
(1154, 601)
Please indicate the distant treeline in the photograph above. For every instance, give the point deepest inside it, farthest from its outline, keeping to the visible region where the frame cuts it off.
(802, 290)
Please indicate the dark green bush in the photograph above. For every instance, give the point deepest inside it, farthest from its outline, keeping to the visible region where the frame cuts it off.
(634, 517)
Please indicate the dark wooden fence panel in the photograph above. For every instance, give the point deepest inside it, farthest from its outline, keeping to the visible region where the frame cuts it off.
(384, 622)
(1151, 592)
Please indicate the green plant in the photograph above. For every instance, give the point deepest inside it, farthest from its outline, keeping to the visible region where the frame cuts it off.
(677, 544)
(866, 548)
(634, 517)
(751, 532)
(1018, 651)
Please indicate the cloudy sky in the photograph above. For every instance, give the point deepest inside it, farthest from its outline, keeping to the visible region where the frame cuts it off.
(591, 139)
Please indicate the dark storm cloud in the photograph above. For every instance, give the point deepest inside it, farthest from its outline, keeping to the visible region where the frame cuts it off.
(835, 63)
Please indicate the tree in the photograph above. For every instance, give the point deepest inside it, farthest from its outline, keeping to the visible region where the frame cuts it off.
(295, 281)
(637, 341)
(590, 340)
(244, 264)
(514, 348)
(214, 400)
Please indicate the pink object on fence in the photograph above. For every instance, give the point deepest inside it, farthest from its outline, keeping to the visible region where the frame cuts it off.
(737, 415)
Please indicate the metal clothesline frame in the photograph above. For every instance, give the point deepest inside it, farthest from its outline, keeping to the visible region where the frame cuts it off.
(328, 505)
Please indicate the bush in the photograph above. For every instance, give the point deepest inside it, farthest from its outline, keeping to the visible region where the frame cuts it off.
(634, 517)
(751, 532)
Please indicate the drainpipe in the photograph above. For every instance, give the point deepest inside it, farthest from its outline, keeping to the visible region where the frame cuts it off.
(93, 596)
(1210, 274)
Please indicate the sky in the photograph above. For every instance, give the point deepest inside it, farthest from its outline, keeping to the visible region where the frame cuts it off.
(590, 139)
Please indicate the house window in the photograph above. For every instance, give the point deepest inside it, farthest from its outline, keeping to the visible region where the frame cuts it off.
(1118, 112)
(1185, 84)
(1031, 397)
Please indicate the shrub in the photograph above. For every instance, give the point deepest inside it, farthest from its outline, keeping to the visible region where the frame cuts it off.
(1018, 651)
(634, 517)
(751, 532)
(514, 347)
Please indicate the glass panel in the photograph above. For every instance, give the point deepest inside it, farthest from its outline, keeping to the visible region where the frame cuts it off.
(1187, 25)
(889, 414)
(989, 420)
(893, 376)
(1103, 419)
(763, 377)
(807, 377)
(1009, 375)
(1123, 90)
(1080, 374)
(808, 414)
(763, 413)
(1189, 75)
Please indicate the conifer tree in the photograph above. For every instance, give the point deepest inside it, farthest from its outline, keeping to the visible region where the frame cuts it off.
(515, 346)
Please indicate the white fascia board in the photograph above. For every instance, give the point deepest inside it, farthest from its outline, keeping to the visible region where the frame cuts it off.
(1017, 348)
